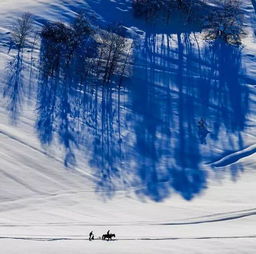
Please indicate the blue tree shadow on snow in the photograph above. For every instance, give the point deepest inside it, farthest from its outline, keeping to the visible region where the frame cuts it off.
(144, 134)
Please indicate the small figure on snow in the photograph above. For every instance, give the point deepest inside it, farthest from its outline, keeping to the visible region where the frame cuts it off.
(91, 236)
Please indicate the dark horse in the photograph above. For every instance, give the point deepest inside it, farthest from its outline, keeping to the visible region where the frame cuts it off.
(108, 236)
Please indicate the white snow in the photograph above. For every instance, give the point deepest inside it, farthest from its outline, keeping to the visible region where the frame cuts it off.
(47, 208)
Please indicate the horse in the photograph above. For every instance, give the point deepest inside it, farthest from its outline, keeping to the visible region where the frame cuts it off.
(108, 236)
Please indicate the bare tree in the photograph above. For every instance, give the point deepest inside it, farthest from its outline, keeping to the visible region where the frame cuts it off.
(149, 8)
(21, 29)
(226, 23)
(112, 53)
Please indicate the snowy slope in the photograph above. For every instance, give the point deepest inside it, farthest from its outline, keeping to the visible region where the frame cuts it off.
(167, 190)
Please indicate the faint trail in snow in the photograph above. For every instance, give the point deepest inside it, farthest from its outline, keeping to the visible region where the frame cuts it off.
(21, 182)
(23, 202)
(26, 144)
(232, 217)
(234, 157)
(189, 238)
(50, 239)
(45, 153)
(226, 213)
(229, 216)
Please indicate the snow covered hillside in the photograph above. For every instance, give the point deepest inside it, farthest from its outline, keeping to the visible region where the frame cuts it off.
(131, 157)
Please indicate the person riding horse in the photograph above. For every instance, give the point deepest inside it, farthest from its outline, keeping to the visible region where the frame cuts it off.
(108, 236)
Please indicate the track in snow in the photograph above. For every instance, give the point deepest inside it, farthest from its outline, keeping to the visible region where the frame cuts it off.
(218, 217)
(49, 239)
(234, 157)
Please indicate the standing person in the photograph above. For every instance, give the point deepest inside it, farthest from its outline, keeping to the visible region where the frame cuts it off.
(91, 236)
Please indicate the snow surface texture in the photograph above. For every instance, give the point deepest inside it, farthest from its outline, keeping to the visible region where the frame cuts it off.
(148, 175)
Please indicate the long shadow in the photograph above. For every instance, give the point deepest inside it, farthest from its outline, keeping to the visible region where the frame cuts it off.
(183, 84)
(167, 148)
(14, 86)
(145, 135)
(55, 99)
